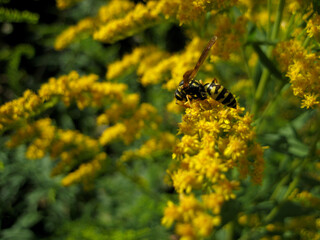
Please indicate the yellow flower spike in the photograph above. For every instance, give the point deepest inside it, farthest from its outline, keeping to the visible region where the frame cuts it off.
(188, 144)
(171, 214)
(41, 134)
(213, 202)
(313, 27)
(116, 111)
(216, 139)
(19, 109)
(204, 224)
(185, 180)
(114, 9)
(85, 170)
(236, 148)
(130, 24)
(303, 70)
(186, 231)
(229, 35)
(160, 143)
(129, 61)
(310, 100)
(72, 32)
(85, 90)
(112, 133)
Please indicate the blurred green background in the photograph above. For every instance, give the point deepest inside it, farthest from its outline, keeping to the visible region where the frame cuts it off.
(35, 206)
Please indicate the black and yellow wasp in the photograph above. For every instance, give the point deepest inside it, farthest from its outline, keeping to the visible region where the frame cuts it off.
(191, 89)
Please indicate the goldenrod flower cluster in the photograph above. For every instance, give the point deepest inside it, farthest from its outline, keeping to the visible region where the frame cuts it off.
(186, 11)
(306, 198)
(301, 227)
(153, 65)
(215, 141)
(313, 27)
(157, 144)
(230, 36)
(21, 109)
(68, 36)
(302, 68)
(85, 90)
(113, 10)
(140, 18)
(41, 133)
(129, 129)
(124, 118)
(86, 171)
(70, 147)
(141, 58)
(120, 19)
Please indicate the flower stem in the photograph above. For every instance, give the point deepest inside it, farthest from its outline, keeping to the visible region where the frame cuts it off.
(266, 74)
(300, 167)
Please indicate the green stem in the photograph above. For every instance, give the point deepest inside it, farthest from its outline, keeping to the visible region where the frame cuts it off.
(284, 180)
(269, 18)
(306, 42)
(266, 74)
(271, 105)
(290, 24)
(230, 231)
(276, 25)
(311, 156)
(245, 59)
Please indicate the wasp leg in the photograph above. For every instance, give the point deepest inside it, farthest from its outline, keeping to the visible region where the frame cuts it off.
(188, 101)
(181, 104)
(215, 80)
(202, 107)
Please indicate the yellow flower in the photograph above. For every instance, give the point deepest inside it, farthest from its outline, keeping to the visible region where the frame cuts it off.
(213, 202)
(141, 17)
(313, 27)
(19, 109)
(112, 133)
(310, 100)
(229, 36)
(185, 180)
(204, 224)
(41, 133)
(72, 32)
(216, 139)
(186, 231)
(303, 70)
(129, 61)
(114, 9)
(85, 171)
(236, 148)
(171, 214)
(163, 142)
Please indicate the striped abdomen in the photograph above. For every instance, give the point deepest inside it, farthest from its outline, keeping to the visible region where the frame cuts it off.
(220, 94)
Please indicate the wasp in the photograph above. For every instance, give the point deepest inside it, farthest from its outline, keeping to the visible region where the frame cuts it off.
(191, 89)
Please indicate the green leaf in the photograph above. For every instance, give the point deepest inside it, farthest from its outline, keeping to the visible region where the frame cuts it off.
(289, 209)
(29, 219)
(267, 62)
(230, 211)
(316, 6)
